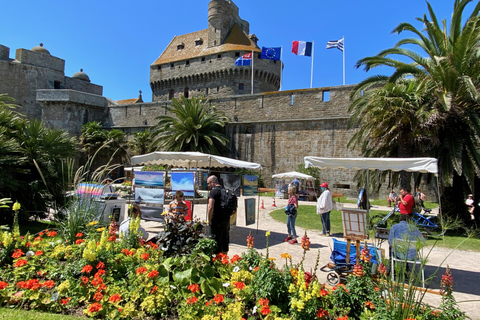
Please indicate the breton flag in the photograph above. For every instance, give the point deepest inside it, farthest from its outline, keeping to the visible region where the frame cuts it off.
(335, 44)
(245, 60)
(302, 48)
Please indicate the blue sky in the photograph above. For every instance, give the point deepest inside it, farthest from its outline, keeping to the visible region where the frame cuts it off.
(115, 42)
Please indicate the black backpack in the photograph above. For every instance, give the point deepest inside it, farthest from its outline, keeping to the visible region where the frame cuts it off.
(228, 202)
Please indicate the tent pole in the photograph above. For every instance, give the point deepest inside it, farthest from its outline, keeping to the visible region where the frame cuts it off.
(258, 204)
(366, 195)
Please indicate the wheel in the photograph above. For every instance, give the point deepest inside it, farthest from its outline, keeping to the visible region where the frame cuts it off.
(437, 230)
(333, 278)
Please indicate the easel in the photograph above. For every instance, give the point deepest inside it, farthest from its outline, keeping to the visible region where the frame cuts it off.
(354, 229)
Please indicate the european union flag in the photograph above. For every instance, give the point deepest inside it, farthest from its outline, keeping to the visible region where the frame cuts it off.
(271, 53)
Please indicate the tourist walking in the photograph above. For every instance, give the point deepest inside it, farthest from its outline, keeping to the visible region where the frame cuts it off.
(324, 206)
(218, 220)
(291, 211)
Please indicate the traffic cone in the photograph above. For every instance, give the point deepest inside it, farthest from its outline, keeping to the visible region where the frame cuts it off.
(273, 204)
(262, 207)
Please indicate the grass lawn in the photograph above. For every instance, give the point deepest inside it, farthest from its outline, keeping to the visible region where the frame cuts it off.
(16, 314)
(309, 220)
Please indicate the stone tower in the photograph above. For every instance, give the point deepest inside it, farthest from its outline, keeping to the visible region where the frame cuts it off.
(202, 63)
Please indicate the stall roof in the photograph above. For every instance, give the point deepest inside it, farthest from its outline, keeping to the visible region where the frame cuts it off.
(191, 159)
(426, 165)
(293, 175)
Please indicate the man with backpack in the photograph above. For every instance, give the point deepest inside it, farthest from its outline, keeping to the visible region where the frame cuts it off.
(218, 219)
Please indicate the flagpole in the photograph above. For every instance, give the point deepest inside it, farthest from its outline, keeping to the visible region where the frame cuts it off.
(311, 73)
(281, 69)
(251, 85)
(343, 60)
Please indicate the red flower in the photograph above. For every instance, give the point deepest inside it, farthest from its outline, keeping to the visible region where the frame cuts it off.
(28, 244)
(127, 252)
(79, 241)
(346, 318)
(323, 292)
(52, 233)
(145, 256)
(97, 296)
(17, 253)
(239, 285)
(101, 287)
(141, 270)
(370, 305)
(382, 269)
(322, 313)
(194, 288)
(48, 284)
(87, 269)
(65, 301)
(38, 239)
(100, 265)
(20, 263)
(97, 281)
(154, 289)
(265, 310)
(42, 233)
(250, 242)
(3, 285)
(255, 269)
(39, 253)
(95, 307)
(115, 298)
(192, 300)
(152, 274)
(85, 279)
(112, 238)
(32, 284)
(235, 258)
(99, 273)
(79, 235)
(263, 302)
(218, 298)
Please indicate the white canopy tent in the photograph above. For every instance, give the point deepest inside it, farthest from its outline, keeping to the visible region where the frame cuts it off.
(293, 175)
(425, 165)
(191, 159)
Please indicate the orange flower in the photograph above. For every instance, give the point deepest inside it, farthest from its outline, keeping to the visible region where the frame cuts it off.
(225, 261)
(115, 298)
(39, 253)
(52, 233)
(265, 310)
(85, 279)
(87, 269)
(127, 252)
(48, 284)
(99, 273)
(101, 287)
(38, 239)
(218, 298)
(194, 288)
(263, 302)
(20, 263)
(192, 300)
(78, 241)
(100, 265)
(97, 281)
(154, 289)
(17, 253)
(342, 318)
(255, 269)
(42, 233)
(370, 305)
(65, 301)
(239, 285)
(95, 307)
(152, 274)
(112, 238)
(141, 270)
(322, 313)
(145, 256)
(235, 258)
(97, 296)
(79, 235)
(323, 292)
(3, 285)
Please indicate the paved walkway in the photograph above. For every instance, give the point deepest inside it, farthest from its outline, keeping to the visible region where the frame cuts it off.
(465, 266)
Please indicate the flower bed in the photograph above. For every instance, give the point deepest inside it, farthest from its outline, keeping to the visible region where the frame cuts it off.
(101, 277)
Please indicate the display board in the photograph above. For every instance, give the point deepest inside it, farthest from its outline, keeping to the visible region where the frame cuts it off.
(250, 185)
(184, 181)
(231, 182)
(149, 178)
(250, 211)
(354, 223)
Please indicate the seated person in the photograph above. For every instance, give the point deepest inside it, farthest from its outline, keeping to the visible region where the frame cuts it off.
(470, 203)
(124, 227)
(407, 232)
(178, 209)
(392, 197)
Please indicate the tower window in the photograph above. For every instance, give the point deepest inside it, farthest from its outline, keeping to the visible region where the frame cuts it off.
(219, 56)
(237, 54)
(326, 96)
(198, 43)
(241, 86)
(185, 92)
(171, 93)
(56, 84)
(187, 63)
(172, 66)
(203, 59)
(180, 47)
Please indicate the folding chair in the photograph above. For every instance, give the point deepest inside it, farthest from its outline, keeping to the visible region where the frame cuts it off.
(404, 251)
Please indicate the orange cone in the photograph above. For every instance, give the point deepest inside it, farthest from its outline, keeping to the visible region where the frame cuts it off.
(273, 204)
(262, 207)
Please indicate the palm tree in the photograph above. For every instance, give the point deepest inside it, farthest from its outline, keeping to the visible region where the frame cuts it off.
(194, 126)
(143, 142)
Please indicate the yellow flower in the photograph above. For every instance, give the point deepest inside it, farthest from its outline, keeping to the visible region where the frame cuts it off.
(285, 256)
(272, 259)
(92, 223)
(101, 229)
(267, 234)
(164, 213)
(16, 206)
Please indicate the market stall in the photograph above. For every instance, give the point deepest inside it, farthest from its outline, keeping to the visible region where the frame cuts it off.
(305, 191)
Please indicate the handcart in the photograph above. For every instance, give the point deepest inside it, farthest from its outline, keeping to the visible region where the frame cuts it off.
(339, 268)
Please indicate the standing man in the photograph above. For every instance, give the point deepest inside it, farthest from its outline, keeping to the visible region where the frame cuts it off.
(324, 206)
(406, 202)
(218, 220)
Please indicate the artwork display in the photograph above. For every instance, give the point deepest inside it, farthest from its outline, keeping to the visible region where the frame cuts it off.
(184, 181)
(150, 195)
(280, 188)
(250, 211)
(149, 178)
(231, 182)
(250, 185)
(354, 226)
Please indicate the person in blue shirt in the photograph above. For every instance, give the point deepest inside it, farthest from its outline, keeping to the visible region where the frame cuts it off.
(407, 232)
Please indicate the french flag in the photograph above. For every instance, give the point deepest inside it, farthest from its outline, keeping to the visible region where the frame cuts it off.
(245, 60)
(302, 48)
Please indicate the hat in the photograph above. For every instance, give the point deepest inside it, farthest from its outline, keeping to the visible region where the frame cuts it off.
(325, 185)
(470, 195)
